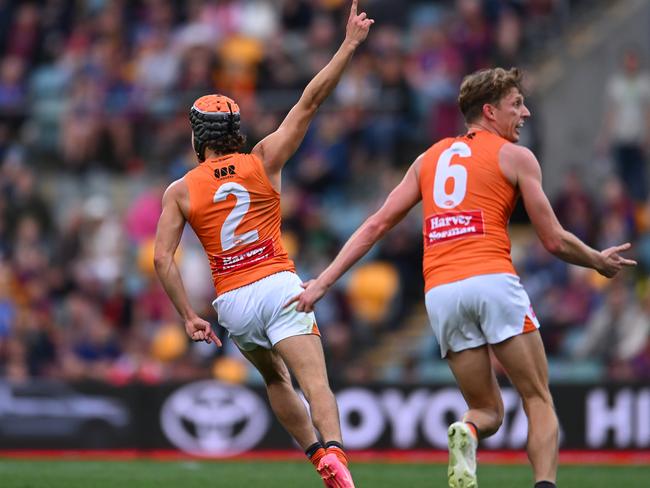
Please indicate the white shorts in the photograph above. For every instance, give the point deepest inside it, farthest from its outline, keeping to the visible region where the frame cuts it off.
(254, 315)
(478, 310)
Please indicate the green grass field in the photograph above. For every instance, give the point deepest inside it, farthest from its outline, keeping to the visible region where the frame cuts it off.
(188, 474)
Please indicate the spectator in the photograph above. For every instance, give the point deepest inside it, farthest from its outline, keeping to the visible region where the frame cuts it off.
(627, 123)
(618, 330)
(575, 208)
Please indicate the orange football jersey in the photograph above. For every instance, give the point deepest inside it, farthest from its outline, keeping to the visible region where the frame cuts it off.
(467, 203)
(235, 212)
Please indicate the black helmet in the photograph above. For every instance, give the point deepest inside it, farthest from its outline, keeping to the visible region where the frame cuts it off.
(212, 117)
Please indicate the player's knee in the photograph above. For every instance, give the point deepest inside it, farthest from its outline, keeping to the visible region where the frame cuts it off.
(538, 394)
(277, 378)
(492, 420)
(541, 403)
(498, 416)
(535, 390)
(497, 411)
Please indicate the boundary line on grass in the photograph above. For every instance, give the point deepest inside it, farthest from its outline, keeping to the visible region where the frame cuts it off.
(567, 457)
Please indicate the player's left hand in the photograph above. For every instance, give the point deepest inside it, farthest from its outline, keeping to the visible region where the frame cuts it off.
(314, 291)
(613, 262)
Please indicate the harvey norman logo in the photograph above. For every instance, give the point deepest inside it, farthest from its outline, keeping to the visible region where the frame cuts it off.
(245, 258)
(454, 225)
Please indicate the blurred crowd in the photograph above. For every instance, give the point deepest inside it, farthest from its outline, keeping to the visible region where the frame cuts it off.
(94, 100)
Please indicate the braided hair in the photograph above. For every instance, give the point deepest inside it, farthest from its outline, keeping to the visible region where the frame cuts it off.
(215, 125)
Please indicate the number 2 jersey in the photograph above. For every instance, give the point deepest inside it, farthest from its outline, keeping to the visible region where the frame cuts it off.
(235, 212)
(467, 203)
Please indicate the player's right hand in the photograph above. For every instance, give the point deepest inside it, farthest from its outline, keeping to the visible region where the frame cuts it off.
(613, 262)
(314, 291)
(200, 330)
(358, 26)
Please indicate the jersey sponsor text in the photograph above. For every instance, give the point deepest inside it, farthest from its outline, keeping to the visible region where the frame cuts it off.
(454, 225)
(227, 263)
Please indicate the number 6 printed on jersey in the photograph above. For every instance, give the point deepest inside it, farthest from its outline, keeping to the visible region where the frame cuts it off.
(445, 170)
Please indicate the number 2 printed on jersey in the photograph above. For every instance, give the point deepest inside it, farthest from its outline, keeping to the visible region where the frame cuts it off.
(228, 237)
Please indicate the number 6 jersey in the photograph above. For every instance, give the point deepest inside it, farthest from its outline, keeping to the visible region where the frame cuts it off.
(235, 212)
(467, 203)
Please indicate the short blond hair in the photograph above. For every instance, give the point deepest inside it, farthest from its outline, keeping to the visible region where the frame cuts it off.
(486, 86)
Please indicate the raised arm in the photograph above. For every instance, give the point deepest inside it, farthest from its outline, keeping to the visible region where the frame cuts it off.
(553, 236)
(168, 236)
(275, 149)
(397, 205)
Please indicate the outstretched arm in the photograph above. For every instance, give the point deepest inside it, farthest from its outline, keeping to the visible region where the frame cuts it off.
(397, 205)
(168, 236)
(275, 149)
(554, 237)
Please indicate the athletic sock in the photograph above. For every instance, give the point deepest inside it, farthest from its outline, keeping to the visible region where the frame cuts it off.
(315, 453)
(545, 484)
(473, 429)
(337, 449)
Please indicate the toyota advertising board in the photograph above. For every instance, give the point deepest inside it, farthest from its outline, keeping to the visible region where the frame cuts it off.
(213, 419)
(209, 418)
